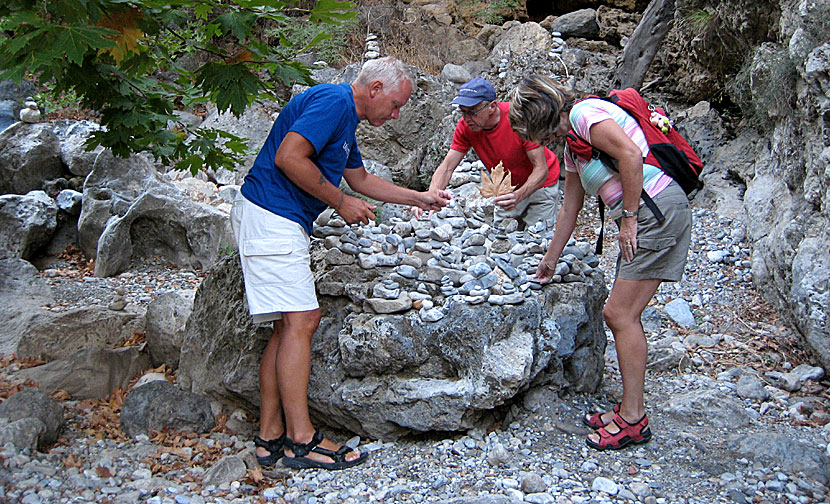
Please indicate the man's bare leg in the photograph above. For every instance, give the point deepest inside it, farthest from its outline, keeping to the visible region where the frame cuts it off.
(293, 368)
(270, 409)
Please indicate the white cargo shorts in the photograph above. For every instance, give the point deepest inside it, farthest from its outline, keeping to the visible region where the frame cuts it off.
(275, 262)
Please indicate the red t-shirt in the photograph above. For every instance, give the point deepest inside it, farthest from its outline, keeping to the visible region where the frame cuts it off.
(503, 144)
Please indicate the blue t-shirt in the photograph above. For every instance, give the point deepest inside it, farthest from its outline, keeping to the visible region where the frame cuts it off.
(326, 116)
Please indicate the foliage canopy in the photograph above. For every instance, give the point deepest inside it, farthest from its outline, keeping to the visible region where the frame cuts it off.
(127, 59)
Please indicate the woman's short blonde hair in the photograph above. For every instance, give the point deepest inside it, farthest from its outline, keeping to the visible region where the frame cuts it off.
(535, 106)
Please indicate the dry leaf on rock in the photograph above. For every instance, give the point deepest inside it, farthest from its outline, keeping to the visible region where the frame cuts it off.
(497, 183)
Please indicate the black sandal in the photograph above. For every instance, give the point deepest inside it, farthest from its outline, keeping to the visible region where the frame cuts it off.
(274, 447)
(300, 461)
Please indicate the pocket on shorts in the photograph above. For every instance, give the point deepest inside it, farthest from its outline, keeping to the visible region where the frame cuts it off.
(656, 244)
(270, 261)
(267, 246)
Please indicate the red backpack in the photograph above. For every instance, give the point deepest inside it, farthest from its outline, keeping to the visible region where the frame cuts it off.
(668, 150)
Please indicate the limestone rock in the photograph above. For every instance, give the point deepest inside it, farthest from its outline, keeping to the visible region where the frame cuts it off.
(33, 402)
(580, 23)
(23, 433)
(774, 449)
(160, 404)
(55, 335)
(22, 293)
(29, 154)
(73, 137)
(26, 222)
(710, 406)
(225, 470)
(526, 37)
(89, 374)
(165, 326)
(387, 375)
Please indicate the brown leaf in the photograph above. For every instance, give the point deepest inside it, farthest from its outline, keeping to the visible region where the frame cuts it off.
(256, 474)
(497, 183)
(61, 394)
(103, 472)
(72, 461)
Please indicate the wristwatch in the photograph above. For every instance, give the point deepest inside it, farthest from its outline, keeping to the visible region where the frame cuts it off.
(628, 213)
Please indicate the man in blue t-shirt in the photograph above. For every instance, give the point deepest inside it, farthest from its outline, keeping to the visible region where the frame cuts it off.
(296, 175)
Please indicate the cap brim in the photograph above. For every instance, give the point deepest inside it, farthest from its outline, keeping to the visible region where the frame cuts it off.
(466, 101)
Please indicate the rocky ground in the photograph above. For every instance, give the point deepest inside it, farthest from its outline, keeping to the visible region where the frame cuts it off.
(730, 422)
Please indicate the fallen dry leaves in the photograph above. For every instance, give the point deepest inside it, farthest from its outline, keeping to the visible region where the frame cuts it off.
(497, 183)
(136, 339)
(80, 265)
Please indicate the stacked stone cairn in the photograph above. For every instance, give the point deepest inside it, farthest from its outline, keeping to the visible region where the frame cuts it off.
(455, 254)
(372, 47)
(30, 112)
(558, 44)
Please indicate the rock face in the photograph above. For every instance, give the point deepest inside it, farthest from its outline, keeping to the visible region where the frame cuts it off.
(788, 197)
(427, 325)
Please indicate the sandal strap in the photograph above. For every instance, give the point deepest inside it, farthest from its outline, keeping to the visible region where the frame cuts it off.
(303, 449)
(272, 445)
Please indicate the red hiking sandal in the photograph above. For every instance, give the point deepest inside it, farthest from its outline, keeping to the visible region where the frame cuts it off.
(636, 433)
(595, 422)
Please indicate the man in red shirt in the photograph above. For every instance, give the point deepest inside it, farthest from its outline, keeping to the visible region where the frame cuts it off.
(485, 127)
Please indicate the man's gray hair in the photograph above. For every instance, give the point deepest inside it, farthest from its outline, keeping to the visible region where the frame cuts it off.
(389, 70)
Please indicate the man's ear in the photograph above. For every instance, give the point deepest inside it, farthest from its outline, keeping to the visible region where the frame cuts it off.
(375, 88)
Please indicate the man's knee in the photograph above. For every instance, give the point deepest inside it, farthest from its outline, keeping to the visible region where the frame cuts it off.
(305, 322)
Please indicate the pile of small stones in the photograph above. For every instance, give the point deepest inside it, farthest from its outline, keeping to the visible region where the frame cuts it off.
(455, 253)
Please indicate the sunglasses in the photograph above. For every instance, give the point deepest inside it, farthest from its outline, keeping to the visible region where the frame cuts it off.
(473, 113)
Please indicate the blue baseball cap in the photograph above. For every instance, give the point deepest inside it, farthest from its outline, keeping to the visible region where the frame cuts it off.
(474, 92)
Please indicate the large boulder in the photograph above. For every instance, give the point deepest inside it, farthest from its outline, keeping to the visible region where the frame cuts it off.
(579, 23)
(34, 403)
(523, 38)
(185, 233)
(55, 335)
(26, 222)
(129, 209)
(29, 155)
(22, 293)
(159, 404)
(73, 136)
(89, 374)
(411, 340)
(166, 320)
(110, 189)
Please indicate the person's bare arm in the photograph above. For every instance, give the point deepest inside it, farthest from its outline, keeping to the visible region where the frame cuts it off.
(377, 188)
(565, 224)
(534, 181)
(608, 137)
(294, 158)
(441, 177)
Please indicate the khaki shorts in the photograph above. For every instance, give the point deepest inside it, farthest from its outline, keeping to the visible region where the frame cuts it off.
(661, 247)
(275, 262)
(542, 205)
